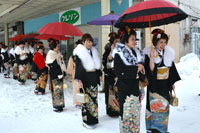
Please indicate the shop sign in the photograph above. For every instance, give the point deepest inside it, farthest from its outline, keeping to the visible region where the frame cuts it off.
(72, 16)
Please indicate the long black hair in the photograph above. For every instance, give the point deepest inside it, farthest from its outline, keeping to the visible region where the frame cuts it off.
(53, 45)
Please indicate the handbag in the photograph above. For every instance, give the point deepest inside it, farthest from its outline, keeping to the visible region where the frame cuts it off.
(82, 97)
(113, 102)
(110, 64)
(173, 99)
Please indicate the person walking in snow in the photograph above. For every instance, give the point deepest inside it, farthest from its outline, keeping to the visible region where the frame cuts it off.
(57, 71)
(112, 108)
(39, 67)
(71, 71)
(162, 74)
(30, 52)
(88, 74)
(128, 62)
(6, 62)
(13, 61)
(22, 59)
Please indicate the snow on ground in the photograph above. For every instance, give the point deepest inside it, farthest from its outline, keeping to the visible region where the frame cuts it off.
(21, 111)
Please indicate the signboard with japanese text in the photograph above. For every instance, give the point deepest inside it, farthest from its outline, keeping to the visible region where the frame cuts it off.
(72, 16)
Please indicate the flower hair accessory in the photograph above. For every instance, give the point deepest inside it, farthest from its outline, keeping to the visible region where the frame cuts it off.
(158, 35)
(128, 30)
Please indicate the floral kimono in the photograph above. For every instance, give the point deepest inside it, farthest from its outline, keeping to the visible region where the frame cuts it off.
(21, 59)
(160, 80)
(29, 60)
(39, 67)
(56, 79)
(125, 61)
(14, 64)
(111, 91)
(88, 71)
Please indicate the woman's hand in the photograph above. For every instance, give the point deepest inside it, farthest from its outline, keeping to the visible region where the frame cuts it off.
(152, 53)
(141, 68)
(80, 84)
(110, 55)
(173, 87)
(100, 78)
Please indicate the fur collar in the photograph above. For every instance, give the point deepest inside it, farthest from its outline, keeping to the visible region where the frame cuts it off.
(127, 56)
(29, 49)
(12, 51)
(89, 62)
(168, 57)
(19, 51)
(51, 56)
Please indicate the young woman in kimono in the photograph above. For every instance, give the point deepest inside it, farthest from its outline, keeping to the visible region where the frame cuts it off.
(71, 71)
(21, 58)
(56, 67)
(13, 61)
(30, 52)
(162, 74)
(6, 62)
(39, 67)
(109, 76)
(128, 62)
(88, 74)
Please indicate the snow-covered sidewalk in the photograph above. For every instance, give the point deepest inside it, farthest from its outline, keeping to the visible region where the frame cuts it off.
(21, 111)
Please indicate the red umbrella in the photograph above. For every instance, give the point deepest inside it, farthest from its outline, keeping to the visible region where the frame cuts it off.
(30, 37)
(47, 36)
(61, 29)
(158, 12)
(17, 37)
(150, 13)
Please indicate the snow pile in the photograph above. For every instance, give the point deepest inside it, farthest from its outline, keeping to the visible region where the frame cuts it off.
(188, 66)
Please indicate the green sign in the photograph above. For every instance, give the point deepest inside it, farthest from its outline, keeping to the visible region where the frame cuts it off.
(71, 17)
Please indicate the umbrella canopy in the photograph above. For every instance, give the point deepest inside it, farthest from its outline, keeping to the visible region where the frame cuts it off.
(30, 37)
(158, 12)
(17, 37)
(61, 29)
(105, 20)
(109, 19)
(47, 36)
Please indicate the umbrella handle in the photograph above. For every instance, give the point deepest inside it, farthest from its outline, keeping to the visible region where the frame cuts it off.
(151, 36)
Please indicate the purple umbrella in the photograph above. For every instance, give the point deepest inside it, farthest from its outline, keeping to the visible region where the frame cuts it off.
(109, 19)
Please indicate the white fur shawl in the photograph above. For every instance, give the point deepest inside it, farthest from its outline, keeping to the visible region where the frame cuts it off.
(51, 56)
(29, 49)
(12, 51)
(89, 62)
(127, 56)
(19, 51)
(168, 57)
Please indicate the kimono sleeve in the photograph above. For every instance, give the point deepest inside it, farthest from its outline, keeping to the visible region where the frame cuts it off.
(55, 69)
(151, 75)
(79, 70)
(34, 67)
(173, 75)
(123, 71)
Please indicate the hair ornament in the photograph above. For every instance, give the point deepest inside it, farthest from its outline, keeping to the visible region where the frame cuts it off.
(128, 30)
(158, 35)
